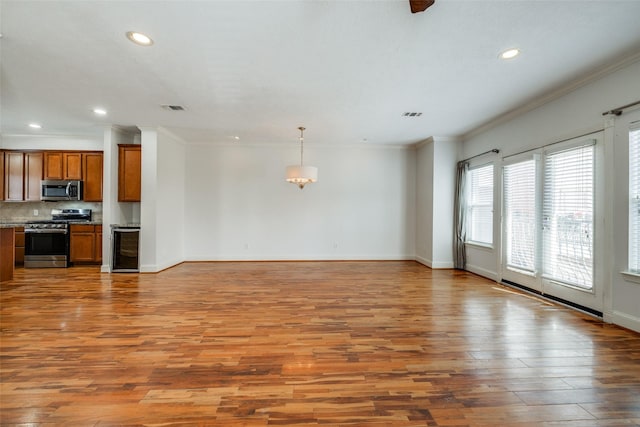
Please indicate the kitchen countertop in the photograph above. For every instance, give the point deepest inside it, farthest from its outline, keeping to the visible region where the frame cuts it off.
(10, 224)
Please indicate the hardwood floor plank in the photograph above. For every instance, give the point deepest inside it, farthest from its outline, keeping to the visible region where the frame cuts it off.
(304, 343)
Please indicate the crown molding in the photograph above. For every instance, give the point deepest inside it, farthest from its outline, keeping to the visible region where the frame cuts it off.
(554, 94)
(307, 146)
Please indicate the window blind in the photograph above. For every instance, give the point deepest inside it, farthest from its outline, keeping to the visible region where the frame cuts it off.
(567, 216)
(519, 189)
(480, 205)
(634, 200)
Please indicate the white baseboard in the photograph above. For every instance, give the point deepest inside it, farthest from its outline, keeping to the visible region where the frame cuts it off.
(424, 261)
(300, 258)
(434, 264)
(492, 275)
(625, 320)
(442, 264)
(154, 268)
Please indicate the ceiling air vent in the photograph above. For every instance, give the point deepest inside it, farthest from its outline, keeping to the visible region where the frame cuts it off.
(411, 114)
(173, 107)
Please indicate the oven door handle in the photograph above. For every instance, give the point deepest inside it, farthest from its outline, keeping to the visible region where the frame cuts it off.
(45, 230)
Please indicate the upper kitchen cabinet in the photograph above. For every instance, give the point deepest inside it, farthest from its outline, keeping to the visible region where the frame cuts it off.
(129, 172)
(33, 173)
(13, 176)
(72, 165)
(63, 165)
(92, 176)
(53, 165)
(21, 175)
(85, 166)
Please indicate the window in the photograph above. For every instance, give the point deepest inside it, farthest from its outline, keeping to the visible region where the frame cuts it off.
(634, 201)
(568, 216)
(520, 216)
(480, 205)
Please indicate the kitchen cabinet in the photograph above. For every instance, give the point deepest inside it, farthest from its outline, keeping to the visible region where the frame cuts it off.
(53, 165)
(86, 243)
(92, 165)
(22, 173)
(72, 165)
(85, 166)
(63, 165)
(19, 248)
(7, 236)
(98, 249)
(129, 172)
(1, 174)
(33, 173)
(13, 176)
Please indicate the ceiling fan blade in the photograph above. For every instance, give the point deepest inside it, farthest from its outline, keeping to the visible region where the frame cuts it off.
(420, 5)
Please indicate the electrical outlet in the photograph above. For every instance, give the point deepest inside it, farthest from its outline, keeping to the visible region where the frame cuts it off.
(35, 212)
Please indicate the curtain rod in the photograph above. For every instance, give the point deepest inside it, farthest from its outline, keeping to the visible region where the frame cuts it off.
(618, 111)
(495, 150)
(551, 143)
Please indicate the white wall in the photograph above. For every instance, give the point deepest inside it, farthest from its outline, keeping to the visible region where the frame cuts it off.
(239, 206)
(170, 201)
(436, 164)
(162, 200)
(148, 202)
(444, 176)
(49, 142)
(424, 203)
(572, 115)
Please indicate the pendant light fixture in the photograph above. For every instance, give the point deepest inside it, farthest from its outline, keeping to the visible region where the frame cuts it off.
(302, 174)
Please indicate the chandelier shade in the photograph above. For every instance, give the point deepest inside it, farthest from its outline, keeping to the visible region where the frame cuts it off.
(301, 174)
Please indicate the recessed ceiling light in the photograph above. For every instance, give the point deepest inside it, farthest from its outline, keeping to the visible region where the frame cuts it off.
(139, 38)
(35, 126)
(237, 138)
(510, 53)
(100, 111)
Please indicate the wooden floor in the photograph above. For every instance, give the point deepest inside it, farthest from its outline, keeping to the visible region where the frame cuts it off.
(304, 343)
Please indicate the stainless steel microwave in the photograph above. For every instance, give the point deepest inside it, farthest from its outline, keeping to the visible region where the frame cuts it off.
(56, 190)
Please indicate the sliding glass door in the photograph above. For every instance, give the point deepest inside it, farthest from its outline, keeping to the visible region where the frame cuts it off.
(549, 222)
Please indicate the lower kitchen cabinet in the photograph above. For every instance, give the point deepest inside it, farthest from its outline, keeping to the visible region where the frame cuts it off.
(19, 248)
(7, 237)
(86, 243)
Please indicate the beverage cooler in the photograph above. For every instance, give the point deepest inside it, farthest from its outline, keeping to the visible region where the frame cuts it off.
(125, 244)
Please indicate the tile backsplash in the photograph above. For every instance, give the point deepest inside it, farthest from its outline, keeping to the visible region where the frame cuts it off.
(24, 211)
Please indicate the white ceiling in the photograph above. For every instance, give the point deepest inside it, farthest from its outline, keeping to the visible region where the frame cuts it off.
(347, 70)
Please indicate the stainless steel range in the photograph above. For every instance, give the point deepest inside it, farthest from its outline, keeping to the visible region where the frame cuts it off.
(47, 242)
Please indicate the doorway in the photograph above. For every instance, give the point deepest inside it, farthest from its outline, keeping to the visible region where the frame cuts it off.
(550, 221)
